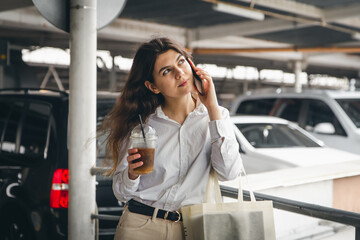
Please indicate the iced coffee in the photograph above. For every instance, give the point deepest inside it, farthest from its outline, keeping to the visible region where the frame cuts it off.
(145, 141)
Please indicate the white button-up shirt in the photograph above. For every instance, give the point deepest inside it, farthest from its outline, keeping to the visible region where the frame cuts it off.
(183, 156)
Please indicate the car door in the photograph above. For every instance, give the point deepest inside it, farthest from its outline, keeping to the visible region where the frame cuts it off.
(319, 112)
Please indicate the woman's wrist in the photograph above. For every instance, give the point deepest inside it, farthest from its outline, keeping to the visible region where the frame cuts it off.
(132, 176)
(214, 112)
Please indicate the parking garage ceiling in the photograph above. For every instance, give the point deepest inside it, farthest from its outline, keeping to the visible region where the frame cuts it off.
(323, 35)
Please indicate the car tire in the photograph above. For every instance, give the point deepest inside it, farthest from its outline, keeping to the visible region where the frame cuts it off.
(14, 226)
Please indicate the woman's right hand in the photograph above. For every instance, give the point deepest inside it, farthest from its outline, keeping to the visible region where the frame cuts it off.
(133, 155)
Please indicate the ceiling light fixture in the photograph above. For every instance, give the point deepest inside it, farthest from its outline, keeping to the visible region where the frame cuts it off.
(239, 11)
(356, 35)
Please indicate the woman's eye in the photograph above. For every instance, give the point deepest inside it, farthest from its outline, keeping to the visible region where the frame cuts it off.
(165, 72)
(181, 61)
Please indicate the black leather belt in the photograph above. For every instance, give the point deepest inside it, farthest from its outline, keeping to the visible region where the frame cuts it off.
(140, 208)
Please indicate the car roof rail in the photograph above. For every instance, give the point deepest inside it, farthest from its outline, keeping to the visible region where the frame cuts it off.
(280, 90)
(28, 90)
(265, 90)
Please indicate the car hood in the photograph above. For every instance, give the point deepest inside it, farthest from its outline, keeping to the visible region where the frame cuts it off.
(308, 156)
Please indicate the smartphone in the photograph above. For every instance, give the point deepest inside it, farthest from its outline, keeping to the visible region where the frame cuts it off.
(198, 83)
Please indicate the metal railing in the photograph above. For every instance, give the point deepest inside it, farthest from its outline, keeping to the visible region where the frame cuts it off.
(307, 209)
(312, 210)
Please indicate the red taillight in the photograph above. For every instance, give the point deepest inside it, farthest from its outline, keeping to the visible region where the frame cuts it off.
(59, 196)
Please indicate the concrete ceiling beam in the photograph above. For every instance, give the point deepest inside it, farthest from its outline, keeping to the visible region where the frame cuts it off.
(244, 28)
(139, 31)
(289, 6)
(7, 5)
(334, 15)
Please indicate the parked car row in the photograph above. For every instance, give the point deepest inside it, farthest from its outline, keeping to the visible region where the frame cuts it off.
(329, 115)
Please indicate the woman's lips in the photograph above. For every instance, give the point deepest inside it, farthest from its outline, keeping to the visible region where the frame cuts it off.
(183, 83)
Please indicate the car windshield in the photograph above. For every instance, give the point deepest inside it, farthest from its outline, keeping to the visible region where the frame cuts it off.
(266, 135)
(352, 109)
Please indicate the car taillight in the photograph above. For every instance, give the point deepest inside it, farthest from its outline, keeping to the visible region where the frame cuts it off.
(59, 196)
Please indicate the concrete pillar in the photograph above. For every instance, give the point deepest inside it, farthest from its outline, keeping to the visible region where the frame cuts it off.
(297, 72)
(245, 87)
(82, 119)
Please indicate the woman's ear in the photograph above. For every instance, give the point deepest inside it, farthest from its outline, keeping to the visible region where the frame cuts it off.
(152, 87)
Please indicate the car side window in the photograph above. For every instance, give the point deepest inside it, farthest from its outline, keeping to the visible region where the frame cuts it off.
(256, 107)
(10, 116)
(35, 129)
(320, 112)
(24, 129)
(290, 109)
(104, 106)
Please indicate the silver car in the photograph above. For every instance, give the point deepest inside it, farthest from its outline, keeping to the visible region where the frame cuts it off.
(330, 115)
(270, 143)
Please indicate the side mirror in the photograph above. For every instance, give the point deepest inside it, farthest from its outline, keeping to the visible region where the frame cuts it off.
(241, 150)
(324, 128)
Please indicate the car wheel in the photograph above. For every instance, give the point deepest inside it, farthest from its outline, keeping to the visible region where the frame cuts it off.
(15, 227)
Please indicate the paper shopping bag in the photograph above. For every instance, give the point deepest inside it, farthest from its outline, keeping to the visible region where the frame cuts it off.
(245, 220)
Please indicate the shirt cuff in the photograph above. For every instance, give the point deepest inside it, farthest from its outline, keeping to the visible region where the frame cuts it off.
(130, 185)
(221, 128)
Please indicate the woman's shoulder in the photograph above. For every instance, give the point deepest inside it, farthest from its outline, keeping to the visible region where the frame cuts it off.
(223, 109)
(202, 109)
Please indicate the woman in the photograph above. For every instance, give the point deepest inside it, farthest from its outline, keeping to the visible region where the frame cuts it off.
(194, 133)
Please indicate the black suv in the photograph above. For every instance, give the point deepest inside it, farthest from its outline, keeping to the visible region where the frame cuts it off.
(34, 161)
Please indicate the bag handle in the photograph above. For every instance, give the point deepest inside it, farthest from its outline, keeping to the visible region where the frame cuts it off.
(240, 192)
(213, 187)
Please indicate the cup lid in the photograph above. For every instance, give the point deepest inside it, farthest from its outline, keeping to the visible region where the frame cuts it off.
(148, 130)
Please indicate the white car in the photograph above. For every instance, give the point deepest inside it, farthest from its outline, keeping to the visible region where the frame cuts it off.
(270, 143)
(330, 115)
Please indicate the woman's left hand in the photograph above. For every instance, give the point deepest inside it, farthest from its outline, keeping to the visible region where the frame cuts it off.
(209, 99)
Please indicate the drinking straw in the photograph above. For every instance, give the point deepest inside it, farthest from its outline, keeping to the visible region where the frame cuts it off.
(142, 127)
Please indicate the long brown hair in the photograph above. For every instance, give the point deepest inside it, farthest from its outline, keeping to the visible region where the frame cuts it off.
(135, 98)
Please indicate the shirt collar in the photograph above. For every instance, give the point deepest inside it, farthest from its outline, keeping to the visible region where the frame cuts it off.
(200, 109)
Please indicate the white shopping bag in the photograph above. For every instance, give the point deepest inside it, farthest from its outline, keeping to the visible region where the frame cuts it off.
(245, 220)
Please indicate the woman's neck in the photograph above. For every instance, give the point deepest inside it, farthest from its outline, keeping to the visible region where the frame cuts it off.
(179, 109)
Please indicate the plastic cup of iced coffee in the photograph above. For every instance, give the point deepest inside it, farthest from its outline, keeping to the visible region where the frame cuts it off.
(146, 147)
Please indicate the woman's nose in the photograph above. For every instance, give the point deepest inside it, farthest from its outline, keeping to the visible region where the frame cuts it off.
(178, 73)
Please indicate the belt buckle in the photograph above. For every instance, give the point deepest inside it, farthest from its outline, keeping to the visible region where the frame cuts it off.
(179, 216)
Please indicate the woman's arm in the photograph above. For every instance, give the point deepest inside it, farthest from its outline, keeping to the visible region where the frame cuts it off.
(125, 181)
(225, 155)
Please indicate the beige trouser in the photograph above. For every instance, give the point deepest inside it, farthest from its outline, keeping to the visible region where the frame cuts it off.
(133, 226)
